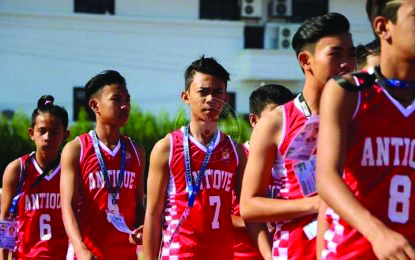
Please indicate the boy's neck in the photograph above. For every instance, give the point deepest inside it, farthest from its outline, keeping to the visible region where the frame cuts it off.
(109, 135)
(312, 94)
(393, 66)
(203, 131)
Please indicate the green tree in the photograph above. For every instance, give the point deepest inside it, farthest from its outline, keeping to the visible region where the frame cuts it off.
(143, 127)
(14, 138)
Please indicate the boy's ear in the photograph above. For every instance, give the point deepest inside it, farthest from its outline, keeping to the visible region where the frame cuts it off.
(382, 27)
(253, 119)
(31, 132)
(93, 104)
(304, 60)
(185, 97)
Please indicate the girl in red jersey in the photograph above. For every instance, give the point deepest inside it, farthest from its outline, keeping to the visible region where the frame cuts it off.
(31, 187)
(192, 174)
(102, 177)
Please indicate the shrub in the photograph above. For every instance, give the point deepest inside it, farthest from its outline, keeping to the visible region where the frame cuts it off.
(143, 127)
(14, 138)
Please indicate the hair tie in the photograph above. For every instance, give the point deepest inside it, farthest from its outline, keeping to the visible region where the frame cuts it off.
(48, 102)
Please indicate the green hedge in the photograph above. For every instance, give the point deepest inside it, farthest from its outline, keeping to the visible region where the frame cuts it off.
(14, 139)
(144, 128)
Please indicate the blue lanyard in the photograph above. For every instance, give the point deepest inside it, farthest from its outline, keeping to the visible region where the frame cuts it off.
(13, 208)
(393, 83)
(104, 169)
(194, 189)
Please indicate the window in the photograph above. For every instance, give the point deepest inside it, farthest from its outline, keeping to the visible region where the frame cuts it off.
(219, 9)
(95, 6)
(80, 102)
(254, 37)
(304, 9)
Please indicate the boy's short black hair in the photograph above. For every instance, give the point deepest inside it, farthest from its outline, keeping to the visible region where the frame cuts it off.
(362, 51)
(385, 8)
(107, 77)
(208, 66)
(268, 94)
(315, 28)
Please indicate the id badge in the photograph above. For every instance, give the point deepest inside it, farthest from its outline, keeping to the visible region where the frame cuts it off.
(113, 203)
(305, 171)
(304, 143)
(8, 234)
(310, 230)
(118, 221)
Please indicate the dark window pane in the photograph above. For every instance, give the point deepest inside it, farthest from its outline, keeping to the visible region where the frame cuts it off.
(79, 101)
(219, 9)
(304, 9)
(94, 6)
(254, 37)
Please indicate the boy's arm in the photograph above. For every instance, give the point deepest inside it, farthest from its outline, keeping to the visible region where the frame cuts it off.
(336, 110)
(258, 232)
(255, 206)
(322, 227)
(70, 173)
(10, 182)
(136, 236)
(158, 177)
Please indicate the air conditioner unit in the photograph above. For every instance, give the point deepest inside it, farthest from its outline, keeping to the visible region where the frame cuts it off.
(285, 35)
(281, 8)
(271, 35)
(251, 9)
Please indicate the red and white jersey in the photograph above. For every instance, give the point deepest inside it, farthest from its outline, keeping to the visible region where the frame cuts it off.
(290, 239)
(41, 233)
(100, 236)
(207, 232)
(380, 171)
(243, 248)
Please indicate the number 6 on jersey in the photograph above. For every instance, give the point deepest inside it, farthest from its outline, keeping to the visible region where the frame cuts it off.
(44, 227)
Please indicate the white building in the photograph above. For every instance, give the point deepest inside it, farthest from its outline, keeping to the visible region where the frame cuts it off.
(48, 48)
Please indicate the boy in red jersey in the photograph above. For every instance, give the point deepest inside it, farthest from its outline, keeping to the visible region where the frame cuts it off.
(367, 56)
(262, 101)
(324, 48)
(102, 177)
(367, 137)
(33, 181)
(193, 171)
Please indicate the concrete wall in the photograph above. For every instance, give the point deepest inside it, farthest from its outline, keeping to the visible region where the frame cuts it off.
(170, 9)
(42, 53)
(46, 48)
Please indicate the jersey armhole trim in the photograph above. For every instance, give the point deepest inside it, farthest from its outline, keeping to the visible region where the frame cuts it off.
(283, 128)
(81, 154)
(171, 150)
(359, 97)
(235, 151)
(21, 168)
(135, 151)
